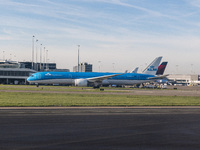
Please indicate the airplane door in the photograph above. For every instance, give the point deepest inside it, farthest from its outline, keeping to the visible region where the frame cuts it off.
(39, 76)
(70, 76)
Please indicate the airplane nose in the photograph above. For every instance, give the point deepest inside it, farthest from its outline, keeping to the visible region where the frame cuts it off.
(28, 79)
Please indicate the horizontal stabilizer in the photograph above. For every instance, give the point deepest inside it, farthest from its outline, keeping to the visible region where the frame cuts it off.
(158, 77)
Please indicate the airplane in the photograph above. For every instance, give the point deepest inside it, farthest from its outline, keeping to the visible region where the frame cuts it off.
(161, 68)
(97, 79)
(135, 70)
(160, 71)
(152, 68)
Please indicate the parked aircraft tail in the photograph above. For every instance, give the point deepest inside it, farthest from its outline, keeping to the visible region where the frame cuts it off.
(161, 68)
(135, 70)
(153, 67)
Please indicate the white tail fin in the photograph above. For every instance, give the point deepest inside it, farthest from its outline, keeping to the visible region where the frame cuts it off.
(135, 70)
(152, 67)
(126, 71)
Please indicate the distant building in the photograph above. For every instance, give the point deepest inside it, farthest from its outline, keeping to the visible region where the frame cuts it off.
(39, 66)
(60, 70)
(181, 79)
(83, 67)
(46, 66)
(27, 65)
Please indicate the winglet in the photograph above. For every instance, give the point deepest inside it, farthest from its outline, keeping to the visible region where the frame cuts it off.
(158, 77)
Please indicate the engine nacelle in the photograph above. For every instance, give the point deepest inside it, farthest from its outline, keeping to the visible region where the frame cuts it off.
(81, 82)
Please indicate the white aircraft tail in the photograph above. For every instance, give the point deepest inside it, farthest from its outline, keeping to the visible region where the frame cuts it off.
(152, 67)
(135, 70)
(126, 71)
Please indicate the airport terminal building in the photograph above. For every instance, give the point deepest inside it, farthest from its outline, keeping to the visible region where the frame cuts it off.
(12, 72)
(15, 75)
(181, 79)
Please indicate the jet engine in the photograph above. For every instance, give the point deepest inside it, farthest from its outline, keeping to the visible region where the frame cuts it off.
(81, 82)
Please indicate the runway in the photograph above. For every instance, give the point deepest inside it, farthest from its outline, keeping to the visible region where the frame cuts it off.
(100, 128)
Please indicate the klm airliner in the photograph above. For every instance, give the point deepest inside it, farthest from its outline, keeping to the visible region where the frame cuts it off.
(96, 79)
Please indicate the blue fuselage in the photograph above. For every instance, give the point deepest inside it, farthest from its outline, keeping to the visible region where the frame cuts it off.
(70, 77)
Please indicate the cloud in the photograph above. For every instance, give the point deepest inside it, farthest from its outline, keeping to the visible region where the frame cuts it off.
(195, 3)
(129, 31)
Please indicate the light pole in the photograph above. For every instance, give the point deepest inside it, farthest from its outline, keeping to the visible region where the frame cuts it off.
(177, 69)
(33, 51)
(3, 55)
(191, 68)
(78, 57)
(99, 65)
(10, 57)
(15, 58)
(36, 54)
(40, 56)
(113, 67)
(46, 59)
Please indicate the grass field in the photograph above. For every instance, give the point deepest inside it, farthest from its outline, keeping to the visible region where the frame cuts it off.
(57, 88)
(25, 99)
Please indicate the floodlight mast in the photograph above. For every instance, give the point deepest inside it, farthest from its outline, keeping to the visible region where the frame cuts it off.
(33, 52)
(78, 57)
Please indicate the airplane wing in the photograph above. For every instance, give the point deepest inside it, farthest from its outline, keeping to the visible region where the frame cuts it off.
(101, 78)
(158, 77)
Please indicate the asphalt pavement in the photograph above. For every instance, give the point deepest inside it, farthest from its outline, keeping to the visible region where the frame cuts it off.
(100, 128)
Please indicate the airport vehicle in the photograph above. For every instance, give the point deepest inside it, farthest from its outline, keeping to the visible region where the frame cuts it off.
(96, 79)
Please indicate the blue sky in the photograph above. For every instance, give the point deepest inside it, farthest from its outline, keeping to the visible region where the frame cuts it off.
(121, 34)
